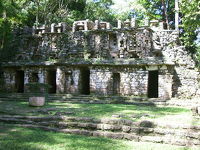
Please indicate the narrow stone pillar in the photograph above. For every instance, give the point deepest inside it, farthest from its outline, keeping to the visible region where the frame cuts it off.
(43, 29)
(86, 25)
(60, 80)
(146, 22)
(127, 23)
(161, 25)
(119, 24)
(41, 76)
(108, 25)
(26, 77)
(52, 27)
(64, 26)
(74, 27)
(33, 30)
(96, 26)
(133, 23)
(59, 27)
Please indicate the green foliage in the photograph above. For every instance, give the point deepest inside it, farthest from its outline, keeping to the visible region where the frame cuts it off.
(191, 14)
(152, 8)
(10, 17)
(190, 11)
(99, 10)
(20, 138)
(160, 10)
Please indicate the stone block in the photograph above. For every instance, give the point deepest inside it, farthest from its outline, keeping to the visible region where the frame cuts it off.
(147, 124)
(36, 101)
(126, 128)
(196, 110)
(114, 135)
(98, 133)
(131, 137)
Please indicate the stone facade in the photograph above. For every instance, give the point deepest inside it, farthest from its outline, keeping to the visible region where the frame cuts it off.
(96, 58)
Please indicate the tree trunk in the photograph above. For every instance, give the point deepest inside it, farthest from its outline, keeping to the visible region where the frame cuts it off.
(176, 15)
(37, 15)
(164, 14)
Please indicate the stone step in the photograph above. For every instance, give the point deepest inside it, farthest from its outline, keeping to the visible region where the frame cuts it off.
(86, 132)
(68, 96)
(168, 139)
(112, 125)
(85, 99)
(70, 119)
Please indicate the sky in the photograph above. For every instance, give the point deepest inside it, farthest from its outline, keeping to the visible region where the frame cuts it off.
(121, 5)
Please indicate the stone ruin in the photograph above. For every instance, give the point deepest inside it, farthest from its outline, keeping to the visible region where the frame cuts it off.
(96, 58)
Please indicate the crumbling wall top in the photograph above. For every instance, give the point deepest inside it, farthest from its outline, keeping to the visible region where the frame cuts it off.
(87, 25)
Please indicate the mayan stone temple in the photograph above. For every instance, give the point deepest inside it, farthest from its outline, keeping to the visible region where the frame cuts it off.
(97, 58)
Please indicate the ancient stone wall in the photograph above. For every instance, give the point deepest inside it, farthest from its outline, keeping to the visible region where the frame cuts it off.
(186, 82)
(35, 74)
(186, 76)
(165, 84)
(117, 60)
(9, 79)
(101, 81)
(131, 81)
(134, 82)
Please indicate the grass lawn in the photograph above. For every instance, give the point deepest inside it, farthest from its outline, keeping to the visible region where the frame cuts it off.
(18, 138)
(132, 112)
(13, 137)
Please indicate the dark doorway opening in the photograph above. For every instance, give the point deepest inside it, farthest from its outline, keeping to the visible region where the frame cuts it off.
(85, 81)
(19, 81)
(34, 77)
(51, 80)
(116, 83)
(153, 84)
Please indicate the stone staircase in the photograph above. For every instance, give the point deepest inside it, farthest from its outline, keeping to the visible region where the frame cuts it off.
(94, 99)
(85, 99)
(145, 131)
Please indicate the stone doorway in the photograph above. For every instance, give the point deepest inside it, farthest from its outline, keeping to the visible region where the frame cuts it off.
(153, 84)
(51, 80)
(85, 81)
(116, 83)
(19, 81)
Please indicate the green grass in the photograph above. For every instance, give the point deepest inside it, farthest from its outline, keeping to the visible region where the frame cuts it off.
(18, 138)
(131, 112)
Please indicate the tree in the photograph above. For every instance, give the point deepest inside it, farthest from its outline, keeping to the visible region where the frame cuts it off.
(190, 23)
(99, 9)
(10, 16)
(160, 10)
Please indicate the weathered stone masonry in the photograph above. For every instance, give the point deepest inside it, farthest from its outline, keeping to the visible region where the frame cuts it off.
(95, 58)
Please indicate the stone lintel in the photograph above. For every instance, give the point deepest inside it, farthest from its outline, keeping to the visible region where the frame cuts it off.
(96, 62)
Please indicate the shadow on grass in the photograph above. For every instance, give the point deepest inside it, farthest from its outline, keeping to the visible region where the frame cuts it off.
(18, 138)
(106, 110)
(89, 110)
(18, 108)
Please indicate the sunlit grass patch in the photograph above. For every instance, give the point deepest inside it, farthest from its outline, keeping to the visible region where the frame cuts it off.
(19, 138)
(123, 111)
